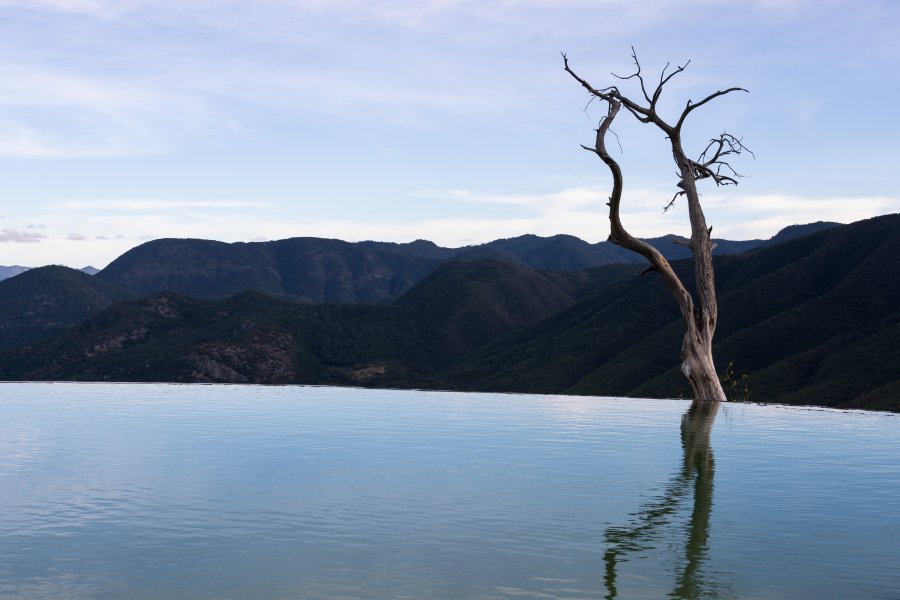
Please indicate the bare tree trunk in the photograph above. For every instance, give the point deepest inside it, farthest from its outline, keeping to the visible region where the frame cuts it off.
(696, 350)
(700, 316)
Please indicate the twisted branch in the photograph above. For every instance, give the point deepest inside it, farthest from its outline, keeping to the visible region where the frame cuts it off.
(648, 114)
(712, 163)
(689, 108)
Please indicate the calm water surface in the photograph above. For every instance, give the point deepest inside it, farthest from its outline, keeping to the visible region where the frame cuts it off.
(166, 491)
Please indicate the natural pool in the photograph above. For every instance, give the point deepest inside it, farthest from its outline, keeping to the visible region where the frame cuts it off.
(168, 491)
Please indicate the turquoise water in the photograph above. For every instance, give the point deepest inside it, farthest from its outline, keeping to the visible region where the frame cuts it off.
(167, 491)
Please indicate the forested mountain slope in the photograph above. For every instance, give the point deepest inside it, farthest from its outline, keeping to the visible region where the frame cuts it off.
(815, 320)
(336, 272)
(39, 303)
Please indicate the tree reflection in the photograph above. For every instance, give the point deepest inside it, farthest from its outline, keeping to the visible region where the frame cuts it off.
(643, 533)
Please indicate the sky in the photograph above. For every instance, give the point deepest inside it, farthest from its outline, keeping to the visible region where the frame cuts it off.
(123, 121)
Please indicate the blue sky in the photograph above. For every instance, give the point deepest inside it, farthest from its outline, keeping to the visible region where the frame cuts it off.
(450, 120)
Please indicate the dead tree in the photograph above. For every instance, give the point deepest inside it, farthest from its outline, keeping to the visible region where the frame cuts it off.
(700, 313)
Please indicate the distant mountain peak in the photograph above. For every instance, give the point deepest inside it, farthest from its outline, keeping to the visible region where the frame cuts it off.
(793, 231)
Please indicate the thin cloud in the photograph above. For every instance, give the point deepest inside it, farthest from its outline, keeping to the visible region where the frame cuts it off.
(77, 237)
(743, 217)
(107, 104)
(578, 211)
(21, 237)
(568, 198)
(150, 205)
(94, 8)
(424, 15)
(388, 61)
(576, 198)
(58, 112)
(753, 217)
(582, 211)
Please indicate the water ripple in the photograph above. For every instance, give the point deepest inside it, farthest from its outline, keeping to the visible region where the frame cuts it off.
(168, 491)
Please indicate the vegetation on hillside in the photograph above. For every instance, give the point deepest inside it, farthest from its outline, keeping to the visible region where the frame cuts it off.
(336, 272)
(39, 303)
(831, 300)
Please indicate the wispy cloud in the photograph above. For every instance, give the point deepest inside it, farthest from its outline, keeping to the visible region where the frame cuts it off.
(424, 14)
(301, 100)
(748, 216)
(582, 211)
(574, 211)
(152, 205)
(94, 8)
(86, 88)
(77, 237)
(21, 237)
(53, 111)
(579, 211)
(566, 199)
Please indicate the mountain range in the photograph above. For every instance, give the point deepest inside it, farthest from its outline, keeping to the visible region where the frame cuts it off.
(811, 318)
(12, 271)
(310, 270)
(330, 271)
(337, 272)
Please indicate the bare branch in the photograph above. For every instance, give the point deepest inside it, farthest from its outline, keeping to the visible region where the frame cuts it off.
(724, 145)
(663, 74)
(639, 116)
(591, 90)
(663, 80)
(672, 201)
(712, 163)
(618, 141)
(642, 113)
(718, 145)
(681, 242)
(691, 107)
(636, 74)
(703, 172)
(618, 234)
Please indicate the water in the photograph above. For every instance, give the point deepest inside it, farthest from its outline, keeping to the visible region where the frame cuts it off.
(166, 491)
